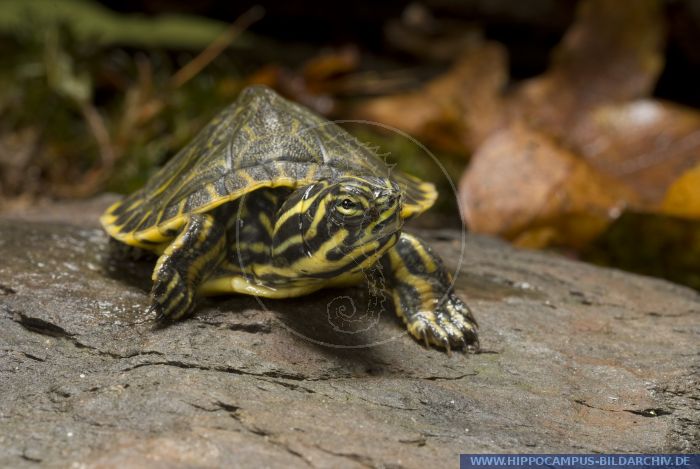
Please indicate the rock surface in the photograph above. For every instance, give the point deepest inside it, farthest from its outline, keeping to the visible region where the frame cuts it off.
(575, 359)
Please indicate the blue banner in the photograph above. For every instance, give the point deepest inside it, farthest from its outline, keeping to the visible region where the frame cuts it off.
(582, 461)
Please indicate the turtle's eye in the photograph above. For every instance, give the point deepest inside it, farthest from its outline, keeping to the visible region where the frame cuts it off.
(349, 207)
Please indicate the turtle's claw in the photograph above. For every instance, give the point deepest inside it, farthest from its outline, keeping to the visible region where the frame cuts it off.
(450, 326)
(160, 320)
(155, 311)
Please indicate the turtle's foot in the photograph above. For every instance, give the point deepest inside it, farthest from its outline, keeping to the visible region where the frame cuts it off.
(424, 299)
(450, 326)
(188, 259)
(171, 297)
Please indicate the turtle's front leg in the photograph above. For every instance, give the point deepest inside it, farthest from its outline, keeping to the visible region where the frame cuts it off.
(422, 292)
(192, 256)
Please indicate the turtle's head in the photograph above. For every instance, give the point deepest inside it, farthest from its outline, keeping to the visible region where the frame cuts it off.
(339, 225)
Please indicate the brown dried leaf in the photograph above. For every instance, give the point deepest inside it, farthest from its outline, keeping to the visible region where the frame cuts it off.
(454, 112)
(524, 186)
(319, 72)
(608, 147)
(316, 83)
(683, 197)
(645, 143)
(612, 53)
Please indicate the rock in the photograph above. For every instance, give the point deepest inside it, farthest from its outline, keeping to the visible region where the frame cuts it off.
(575, 358)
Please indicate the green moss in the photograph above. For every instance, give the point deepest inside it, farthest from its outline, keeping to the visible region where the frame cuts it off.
(90, 22)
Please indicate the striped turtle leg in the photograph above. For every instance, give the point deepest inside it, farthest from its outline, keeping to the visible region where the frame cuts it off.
(192, 256)
(422, 293)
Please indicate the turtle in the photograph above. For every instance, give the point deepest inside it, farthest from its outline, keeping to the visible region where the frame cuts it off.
(272, 200)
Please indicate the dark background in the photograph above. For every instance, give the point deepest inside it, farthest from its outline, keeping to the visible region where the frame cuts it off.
(529, 29)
